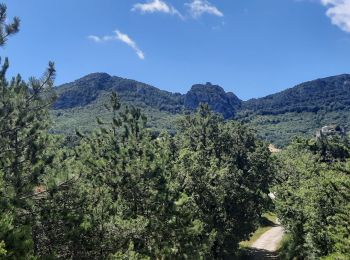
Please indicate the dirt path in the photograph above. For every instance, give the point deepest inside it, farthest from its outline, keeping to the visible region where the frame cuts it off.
(270, 240)
(266, 245)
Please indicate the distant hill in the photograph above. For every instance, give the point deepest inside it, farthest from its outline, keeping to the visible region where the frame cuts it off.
(328, 94)
(90, 88)
(300, 110)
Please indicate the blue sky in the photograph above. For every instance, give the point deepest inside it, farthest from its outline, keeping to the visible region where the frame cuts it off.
(250, 47)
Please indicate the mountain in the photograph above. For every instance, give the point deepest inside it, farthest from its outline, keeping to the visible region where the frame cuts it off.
(277, 118)
(81, 101)
(90, 88)
(329, 94)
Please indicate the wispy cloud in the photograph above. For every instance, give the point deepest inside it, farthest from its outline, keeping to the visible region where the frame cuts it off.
(195, 8)
(339, 13)
(126, 39)
(94, 38)
(101, 39)
(119, 36)
(156, 6)
(199, 7)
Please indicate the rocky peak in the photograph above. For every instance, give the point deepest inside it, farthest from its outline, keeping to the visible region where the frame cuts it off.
(215, 96)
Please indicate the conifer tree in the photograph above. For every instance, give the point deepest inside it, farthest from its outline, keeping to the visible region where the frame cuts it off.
(120, 203)
(134, 170)
(224, 172)
(23, 122)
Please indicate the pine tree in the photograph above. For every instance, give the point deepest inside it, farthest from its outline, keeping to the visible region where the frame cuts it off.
(120, 203)
(134, 169)
(224, 172)
(23, 124)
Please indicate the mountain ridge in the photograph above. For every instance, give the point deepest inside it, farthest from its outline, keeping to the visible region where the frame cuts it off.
(301, 94)
(276, 116)
(85, 90)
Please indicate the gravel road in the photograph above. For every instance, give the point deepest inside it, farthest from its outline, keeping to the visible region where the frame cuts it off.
(270, 240)
(266, 245)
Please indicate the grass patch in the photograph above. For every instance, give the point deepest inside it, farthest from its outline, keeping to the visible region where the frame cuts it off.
(286, 248)
(272, 217)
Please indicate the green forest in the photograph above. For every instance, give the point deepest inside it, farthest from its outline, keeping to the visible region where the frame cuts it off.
(124, 191)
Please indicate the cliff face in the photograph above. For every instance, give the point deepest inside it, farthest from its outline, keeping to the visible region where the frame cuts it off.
(220, 101)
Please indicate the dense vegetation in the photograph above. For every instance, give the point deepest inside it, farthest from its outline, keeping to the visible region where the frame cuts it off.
(313, 199)
(125, 191)
(123, 194)
(281, 129)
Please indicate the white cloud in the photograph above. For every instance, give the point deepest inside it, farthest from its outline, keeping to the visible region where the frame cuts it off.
(126, 39)
(94, 38)
(339, 13)
(156, 6)
(120, 37)
(199, 7)
(101, 39)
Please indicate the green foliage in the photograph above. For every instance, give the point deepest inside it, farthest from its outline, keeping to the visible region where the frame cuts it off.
(23, 120)
(7, 29)
(132, 195)
(299, 111)
(66, 121)
(312, 198)
(225, 173)
(92, 87)
(130, 254)
(118, 203)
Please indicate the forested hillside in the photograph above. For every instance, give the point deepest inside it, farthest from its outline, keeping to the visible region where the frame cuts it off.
(327, 94)
(88, 89)
(300, 110)
(80, 102)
